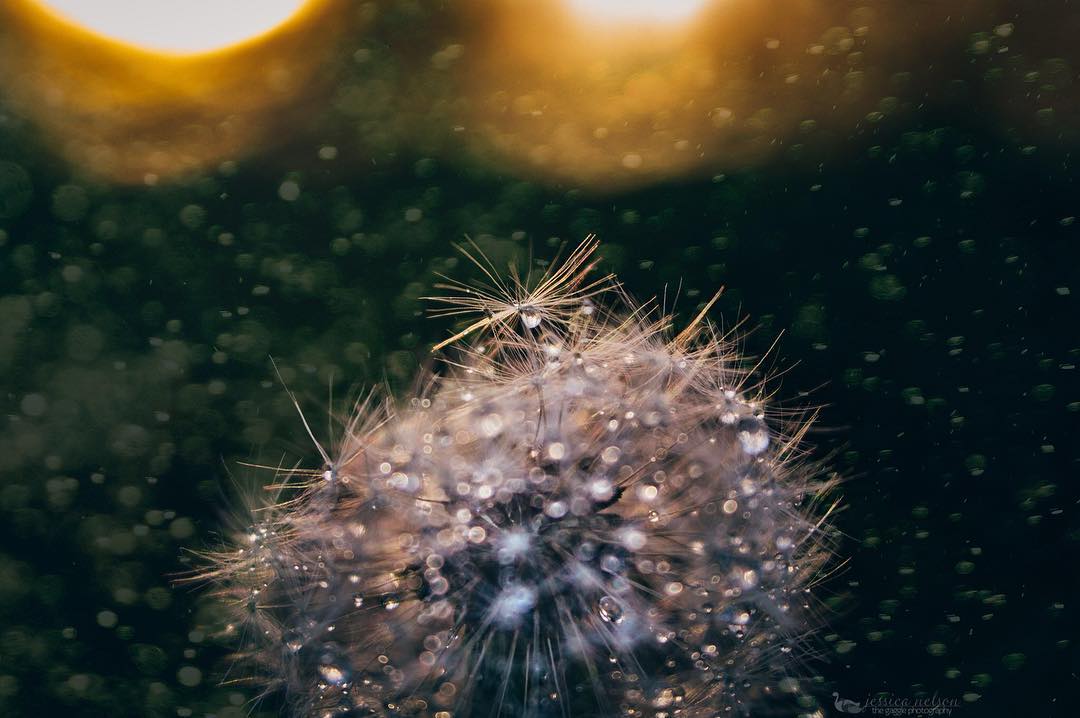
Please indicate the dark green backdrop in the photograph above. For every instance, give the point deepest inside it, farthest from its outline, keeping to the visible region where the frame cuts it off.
(926, 280)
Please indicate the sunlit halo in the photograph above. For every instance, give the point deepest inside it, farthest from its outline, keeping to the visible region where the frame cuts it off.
(177, 26)
(636, 10)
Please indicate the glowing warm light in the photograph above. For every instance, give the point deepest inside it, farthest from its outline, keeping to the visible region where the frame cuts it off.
(178, 26)
(636, 10)
(171, 87)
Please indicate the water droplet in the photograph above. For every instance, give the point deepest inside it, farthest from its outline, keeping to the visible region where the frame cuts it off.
(647, 492)
(754, 442)
(293, 641)
(753, 434)
(674, 588)
(610, 610)
(332, 675)
(632, 539)
(530, 317)
(556, 509)
(601, 489)
(611, 563)
(491, 425)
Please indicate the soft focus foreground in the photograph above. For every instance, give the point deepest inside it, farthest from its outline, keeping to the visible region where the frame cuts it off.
(585, 516)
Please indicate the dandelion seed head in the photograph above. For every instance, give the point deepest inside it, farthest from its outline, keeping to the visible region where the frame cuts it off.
(584, 515)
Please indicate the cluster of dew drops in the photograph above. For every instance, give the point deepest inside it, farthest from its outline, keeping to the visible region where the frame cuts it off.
(584, 514)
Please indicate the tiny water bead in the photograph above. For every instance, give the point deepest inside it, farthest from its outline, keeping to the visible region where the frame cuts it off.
(530, 317)
(610, 610)
(585, 515)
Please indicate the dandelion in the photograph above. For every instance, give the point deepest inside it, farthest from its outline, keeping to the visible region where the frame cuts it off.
(585, 514)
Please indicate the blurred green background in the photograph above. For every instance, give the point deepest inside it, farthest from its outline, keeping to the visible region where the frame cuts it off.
(924, 271)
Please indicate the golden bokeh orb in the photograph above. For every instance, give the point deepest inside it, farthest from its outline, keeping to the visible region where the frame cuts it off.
(636, 11)
(182, 28)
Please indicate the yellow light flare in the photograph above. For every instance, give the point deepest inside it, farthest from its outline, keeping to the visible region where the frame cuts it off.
(636, 11)
(172, 26)
(557, 92)
(117, 109)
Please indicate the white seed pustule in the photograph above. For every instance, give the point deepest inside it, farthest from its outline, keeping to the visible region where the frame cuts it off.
(582, 515)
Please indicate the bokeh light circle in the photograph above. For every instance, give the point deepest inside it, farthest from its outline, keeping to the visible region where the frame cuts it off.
(645, 11)
(188, 27)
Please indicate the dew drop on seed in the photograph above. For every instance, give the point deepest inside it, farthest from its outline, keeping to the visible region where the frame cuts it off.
(611, 563)
(601, 489)
(491, 425)
(610, 610)
(632, 539)
(556, 509)
(332, 675)
(665, 698)
(530, 317)
(753, 435)
(754, 442)
(293, 641)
